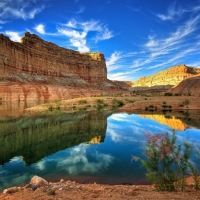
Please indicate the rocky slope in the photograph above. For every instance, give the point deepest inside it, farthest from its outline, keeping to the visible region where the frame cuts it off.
(41, 71)
(166, 78)
(189, 86)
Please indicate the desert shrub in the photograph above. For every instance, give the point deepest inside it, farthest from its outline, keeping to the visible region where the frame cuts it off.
(117, 103)
(51, 108)
(166, 161)
(82, 101)
(51, 192)
(168, 94)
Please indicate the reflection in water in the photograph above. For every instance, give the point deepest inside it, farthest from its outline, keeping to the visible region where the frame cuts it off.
(16, 107)
(171, 121)
(176, 120)
(85, 147)
(37, 137)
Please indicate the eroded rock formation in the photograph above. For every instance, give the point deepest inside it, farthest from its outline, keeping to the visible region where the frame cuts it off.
(169, 77)
(38, 70)
(36, 56)
(189, 86)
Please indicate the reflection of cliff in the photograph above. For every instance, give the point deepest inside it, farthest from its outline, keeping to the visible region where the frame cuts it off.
(35, 138)
(172, 121)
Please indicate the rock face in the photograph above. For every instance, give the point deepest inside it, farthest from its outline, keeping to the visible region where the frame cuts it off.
(189, 86)
(169, 77)
(37, 70)
(36, 56)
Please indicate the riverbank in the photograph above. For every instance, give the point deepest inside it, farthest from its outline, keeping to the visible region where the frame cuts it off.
(128, 103)
(72, 190)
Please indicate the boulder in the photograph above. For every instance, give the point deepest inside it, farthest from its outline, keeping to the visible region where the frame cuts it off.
(10, 190)
(37, 182)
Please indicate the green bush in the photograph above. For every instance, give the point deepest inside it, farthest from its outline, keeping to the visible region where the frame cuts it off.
(166, 162)
(82, 101)
(117, 103)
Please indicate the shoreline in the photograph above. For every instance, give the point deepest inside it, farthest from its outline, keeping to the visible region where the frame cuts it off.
(67, 189)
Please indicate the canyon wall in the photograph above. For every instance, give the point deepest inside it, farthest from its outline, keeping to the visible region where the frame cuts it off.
(169, 77)
(37, 70)
(36, 56)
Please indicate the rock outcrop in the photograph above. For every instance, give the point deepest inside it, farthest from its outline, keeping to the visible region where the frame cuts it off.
(169, 77)
(189, 86)
(41, 71)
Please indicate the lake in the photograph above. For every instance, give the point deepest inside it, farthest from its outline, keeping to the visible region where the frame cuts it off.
(84, 147)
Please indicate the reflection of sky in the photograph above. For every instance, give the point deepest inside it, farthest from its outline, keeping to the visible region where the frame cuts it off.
(109, 161)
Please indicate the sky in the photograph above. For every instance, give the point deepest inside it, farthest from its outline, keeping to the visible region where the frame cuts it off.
(137, 37)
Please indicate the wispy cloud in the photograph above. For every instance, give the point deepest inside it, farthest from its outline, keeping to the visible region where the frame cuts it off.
(40, 29)
(170, 48)
(19, 9)
(77, 32)
(14, 36)
(174, 12)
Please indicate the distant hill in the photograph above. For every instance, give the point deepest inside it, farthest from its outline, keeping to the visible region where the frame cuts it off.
(169, 77)
(189, 86)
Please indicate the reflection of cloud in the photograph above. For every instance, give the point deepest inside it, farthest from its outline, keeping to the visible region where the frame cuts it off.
(78, 161)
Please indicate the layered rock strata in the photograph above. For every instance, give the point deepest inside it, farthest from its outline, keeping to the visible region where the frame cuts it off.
(36, 56)
(169, 77)
(37, 70)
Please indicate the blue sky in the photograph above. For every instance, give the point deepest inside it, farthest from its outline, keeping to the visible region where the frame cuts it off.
(137, 37)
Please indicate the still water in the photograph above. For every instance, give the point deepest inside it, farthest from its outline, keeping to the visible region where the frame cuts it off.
(85, 147)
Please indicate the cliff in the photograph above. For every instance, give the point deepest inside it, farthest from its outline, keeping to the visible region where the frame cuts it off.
(169, 77)
(41, 71)
(36, 56)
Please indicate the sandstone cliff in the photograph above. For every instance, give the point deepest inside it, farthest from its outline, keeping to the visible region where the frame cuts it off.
(36, 56)
(189, 86)
(169, 77)
(38, 70)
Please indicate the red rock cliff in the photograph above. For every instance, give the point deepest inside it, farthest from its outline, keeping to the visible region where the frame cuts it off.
(36, 70)
(36, 56)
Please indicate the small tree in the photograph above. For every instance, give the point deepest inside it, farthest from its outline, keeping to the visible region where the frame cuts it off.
(166, 161)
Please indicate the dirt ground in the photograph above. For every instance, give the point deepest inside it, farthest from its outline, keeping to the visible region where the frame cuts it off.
(131, 103)
(71, 190)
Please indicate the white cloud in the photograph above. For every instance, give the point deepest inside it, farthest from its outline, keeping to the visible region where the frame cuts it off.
(77, 32)
(171, 48)
(40, 29)
(10, 10)
(104, 35)
(14, 36)
(174, 12)
(113, 62)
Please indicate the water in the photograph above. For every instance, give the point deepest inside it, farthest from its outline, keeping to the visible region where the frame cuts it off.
(85, 147)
